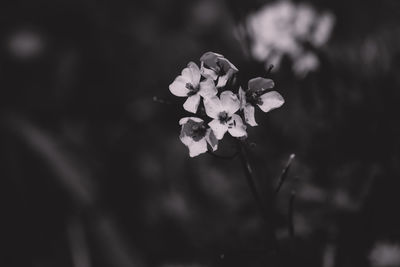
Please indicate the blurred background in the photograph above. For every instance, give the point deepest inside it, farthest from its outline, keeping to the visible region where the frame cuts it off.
(92, 170)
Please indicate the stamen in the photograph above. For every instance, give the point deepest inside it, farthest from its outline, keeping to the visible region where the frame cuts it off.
(223, 117)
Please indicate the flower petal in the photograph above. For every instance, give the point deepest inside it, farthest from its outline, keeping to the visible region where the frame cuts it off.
(212, 139)
(207, 88)
(260, 83)
(192, 73)
(210, 56)
(236, 126)
(192, 103)
(242, 97)
(186, 119)
(249, 115)
(271, 100)
(197, 148)
(178, 87)
(218, 128)
(213, 106)
(186, 140)
(208, 73)
(230, 102)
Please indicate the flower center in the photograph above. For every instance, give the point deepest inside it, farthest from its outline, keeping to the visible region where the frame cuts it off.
(223, 117)
(192, 89)
(253, 98)
(195, 130)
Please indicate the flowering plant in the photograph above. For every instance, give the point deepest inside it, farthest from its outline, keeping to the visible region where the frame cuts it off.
(218, 108)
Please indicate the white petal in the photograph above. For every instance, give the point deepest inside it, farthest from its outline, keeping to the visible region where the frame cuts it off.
(192, 103)
(192, 73)
(236, 127)
(213, 106)
(271, 100)
(249, 115)
(233, 67)
(207, 88)
(242, 97)
(178, 87)
(230, 102)
(260, 83)
(186, 119)
(197, 148)
(208, 73)
(222, 80)
(186, 140)
(218, 128)
(212, 139)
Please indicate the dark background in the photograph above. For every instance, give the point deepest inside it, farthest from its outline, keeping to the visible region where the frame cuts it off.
(92, 172)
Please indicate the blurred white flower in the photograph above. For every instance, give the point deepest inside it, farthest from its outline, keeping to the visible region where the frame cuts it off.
(305, 63)
(257, 95)
(222, 111)
(385, 254)
(26, 44)
(216, 66)
(195, 135)
(282, 28)
(323, 29)
(188, 84)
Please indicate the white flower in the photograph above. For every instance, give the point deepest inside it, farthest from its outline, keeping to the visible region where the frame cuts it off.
(283, 28)
(188, 84)
(385, 254)
(257, 95)
(216, 66)
(222, 111)
(271, 30)
(195, 135)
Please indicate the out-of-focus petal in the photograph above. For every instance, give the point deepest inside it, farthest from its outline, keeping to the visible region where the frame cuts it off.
(192, 103)
(178, 87)
(249, 115)
(260, 83)
(323, 29)
(230, 102)
(212, 139)
(192, 73)
(207, 88)
(271, 100)
(242, 97)
(186, 119)
(218, 128)
(213, 106)
(197, 148)
(305, 63)
(236, 127)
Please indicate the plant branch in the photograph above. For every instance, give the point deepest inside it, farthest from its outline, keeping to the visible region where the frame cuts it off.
(284, 173)
(250, 181)
(291, 211)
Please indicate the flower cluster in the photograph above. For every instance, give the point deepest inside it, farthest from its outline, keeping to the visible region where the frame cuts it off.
(219, 110)
(282, 28)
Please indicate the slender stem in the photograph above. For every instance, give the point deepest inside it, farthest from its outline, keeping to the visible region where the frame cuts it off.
(284, 173)
(291, 211)
(250, 181)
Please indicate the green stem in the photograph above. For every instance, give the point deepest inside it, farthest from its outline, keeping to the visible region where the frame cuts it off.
(250, 181)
